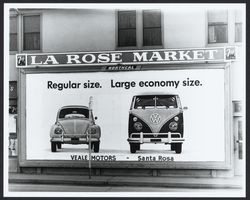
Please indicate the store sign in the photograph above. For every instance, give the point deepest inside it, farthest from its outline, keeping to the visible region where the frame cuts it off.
(158, 56)
(141, 116)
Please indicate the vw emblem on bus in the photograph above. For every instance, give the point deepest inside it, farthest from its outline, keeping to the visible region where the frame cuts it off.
(155, 118)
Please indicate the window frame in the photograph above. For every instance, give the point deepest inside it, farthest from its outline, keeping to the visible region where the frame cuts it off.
(13, 102)
(238, 23)
(22, 32)
(143, 11)
(139, 31)
(231, 21)
(12, 52)
(242, 28)
(214, 24)
(118, 29)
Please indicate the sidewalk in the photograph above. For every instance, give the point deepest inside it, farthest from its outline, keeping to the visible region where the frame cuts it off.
(173, 182)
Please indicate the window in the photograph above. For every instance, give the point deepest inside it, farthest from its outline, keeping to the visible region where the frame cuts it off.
(139, 28)
(217, 26)
(12, 97)
(160, 101)
(238, 26)
(126, 28)
(31, 32)
(151, 28)
(13, 34)
(12, 118)
(74, 113)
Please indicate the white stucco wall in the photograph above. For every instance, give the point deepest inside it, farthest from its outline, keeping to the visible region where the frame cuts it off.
(13, 73)
(184, 29)
(238, 76)
(78, 30)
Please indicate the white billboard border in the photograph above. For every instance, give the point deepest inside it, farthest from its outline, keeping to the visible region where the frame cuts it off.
(21, 126)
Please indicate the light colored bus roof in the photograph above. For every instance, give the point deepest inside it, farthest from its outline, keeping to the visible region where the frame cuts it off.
(155, 93)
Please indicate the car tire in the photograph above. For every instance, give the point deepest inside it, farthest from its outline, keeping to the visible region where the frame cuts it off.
(59, 145)
(178, 148)
(173, 146)
(132, 148)
(53, 147)
(138, 146)
(96, 146)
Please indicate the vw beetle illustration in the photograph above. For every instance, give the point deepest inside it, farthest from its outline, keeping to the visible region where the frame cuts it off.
(156, 118)
(75, 124)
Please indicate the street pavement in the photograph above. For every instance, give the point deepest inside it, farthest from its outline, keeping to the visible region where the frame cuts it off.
(150, 181)
(29, 185)
(118, 190)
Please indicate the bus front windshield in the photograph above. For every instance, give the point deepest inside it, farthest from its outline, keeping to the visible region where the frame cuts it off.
(155, 101)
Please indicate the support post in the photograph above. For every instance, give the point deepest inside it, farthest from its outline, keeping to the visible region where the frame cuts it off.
(89, 134)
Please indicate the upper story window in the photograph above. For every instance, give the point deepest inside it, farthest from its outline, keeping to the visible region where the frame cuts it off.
(152, 27)
(127, 28)
(13, 33)
(139, 28)
(238, 26)
(31, 32)
(217, 26)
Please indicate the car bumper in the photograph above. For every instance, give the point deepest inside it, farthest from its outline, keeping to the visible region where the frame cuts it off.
(74, 140)
(158, 138)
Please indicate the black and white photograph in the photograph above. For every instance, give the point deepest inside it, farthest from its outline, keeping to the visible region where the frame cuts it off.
(129, 100)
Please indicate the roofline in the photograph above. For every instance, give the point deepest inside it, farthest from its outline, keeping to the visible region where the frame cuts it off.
(148, 94)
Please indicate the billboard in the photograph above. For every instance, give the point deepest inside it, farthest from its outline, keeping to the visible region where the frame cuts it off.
(140, 116)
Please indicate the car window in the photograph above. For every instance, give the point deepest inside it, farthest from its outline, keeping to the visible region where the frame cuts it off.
(74, 113)
(155, 101)
(74, 116)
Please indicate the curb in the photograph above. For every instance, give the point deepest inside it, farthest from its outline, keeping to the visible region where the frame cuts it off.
(173, 182)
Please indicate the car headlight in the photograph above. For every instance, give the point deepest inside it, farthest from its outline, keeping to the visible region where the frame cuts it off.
(176, 118)
(173, 126)
(92, 130)
(138, 126)
(58, 130)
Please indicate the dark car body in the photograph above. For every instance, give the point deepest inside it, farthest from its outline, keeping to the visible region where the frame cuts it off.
(75, 125)
(156, 118)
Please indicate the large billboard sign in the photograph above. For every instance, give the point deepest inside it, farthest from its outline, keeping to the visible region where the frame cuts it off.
(165, 116)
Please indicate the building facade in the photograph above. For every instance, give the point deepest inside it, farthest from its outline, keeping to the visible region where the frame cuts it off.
(48, 31)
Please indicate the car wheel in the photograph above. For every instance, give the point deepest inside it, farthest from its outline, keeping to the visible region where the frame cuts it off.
(53, 147)
(59, 145)
(138, 146)
(132, 148)
(96, 146)
(173, 146)
(178, 148)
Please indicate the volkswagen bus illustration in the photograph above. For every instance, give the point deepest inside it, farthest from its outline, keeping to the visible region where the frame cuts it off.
(156, 118)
